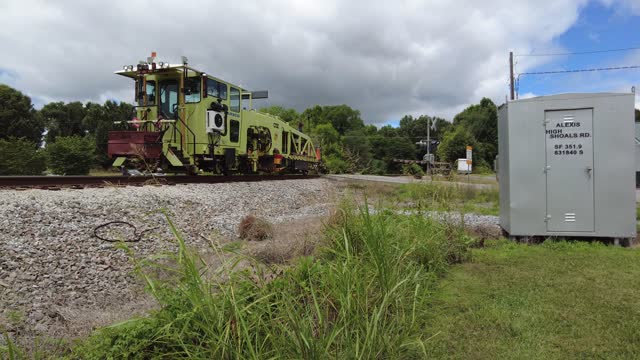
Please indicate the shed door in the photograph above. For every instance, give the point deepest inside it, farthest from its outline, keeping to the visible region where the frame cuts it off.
(569, 143)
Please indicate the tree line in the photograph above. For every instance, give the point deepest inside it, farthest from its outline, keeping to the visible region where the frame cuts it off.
(66, 138)
(349, 145)
(71, 138)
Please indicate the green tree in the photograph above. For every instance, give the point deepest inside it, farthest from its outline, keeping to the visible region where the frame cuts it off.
(370, 130)
(481, 120)
(357, 149)
(18, 119)
(342, 117)
(287, 114)
(416, 129)
(21, 157)
(71, 155)
(64, 119)
(325, 135)
(453, 145)
(439, 127)
(336, 165)
(413, 128)
(99, 120)
(386, 149)
(388, 131)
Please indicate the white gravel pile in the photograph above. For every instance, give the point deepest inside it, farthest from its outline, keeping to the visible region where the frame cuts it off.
(49, 257)
(469, 219)
(454, 217)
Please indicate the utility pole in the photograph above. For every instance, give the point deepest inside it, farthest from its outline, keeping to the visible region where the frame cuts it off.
(511, 74)
(428, 145)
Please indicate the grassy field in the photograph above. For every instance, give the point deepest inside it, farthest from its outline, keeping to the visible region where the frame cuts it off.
(553, 301)
(429, 196)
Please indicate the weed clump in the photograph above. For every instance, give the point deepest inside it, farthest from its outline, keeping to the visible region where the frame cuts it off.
(254, 229)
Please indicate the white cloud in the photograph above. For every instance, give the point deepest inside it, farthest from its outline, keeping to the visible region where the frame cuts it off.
(386, 58)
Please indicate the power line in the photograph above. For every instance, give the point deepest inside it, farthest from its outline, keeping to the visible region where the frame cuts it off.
(579, 52)
(517, 86)
(580, 70)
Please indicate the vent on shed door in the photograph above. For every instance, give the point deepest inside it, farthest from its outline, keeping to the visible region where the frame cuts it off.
(569, 217)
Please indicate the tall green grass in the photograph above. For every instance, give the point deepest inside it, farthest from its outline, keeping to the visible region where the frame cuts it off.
(10, 351)
(444, 197)
(365, 295)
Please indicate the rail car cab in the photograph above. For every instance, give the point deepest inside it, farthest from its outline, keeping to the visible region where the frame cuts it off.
(185, 120)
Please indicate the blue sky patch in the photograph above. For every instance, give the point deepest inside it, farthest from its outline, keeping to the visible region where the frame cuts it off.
(598, 28)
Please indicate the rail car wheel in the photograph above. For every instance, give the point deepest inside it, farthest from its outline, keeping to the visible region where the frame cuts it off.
(191, 170)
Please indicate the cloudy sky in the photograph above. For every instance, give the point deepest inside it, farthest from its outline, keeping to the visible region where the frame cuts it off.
(385, 58)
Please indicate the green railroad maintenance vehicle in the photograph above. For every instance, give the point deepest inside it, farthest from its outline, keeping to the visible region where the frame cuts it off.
(187, 121)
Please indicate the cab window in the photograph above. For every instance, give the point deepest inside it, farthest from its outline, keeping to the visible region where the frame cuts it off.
(168, 98)
(216, 89)
(150, 92)
(235, 100)
(223, 91)
(192, 90)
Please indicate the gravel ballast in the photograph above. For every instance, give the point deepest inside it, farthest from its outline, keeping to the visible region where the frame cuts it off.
(50, 259)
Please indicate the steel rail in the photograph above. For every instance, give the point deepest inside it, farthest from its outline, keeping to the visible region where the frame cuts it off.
(96, 181)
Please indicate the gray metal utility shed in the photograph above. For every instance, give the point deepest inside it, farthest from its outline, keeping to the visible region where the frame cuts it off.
(567, 166)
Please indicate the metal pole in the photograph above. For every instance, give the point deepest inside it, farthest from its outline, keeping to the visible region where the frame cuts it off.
(428, 145)
(511, 74)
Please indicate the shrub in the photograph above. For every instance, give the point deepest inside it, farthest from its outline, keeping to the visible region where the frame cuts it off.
(454, 144)
(480, 167)
(377, 167)
(254, 229)
(21, 157)
(72, 155)
(413, 169)
(336, 165)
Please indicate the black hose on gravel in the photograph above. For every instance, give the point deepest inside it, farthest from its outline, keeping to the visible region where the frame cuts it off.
(137, 236)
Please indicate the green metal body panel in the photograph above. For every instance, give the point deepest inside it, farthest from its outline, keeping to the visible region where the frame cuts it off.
(119, 161)
(173, 159)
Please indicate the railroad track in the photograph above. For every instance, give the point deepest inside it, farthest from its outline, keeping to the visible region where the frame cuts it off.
(79, 182)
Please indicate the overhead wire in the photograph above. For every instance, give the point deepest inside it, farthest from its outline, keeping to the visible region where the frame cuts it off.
(551, 72)
(580, 70)
(578, 52)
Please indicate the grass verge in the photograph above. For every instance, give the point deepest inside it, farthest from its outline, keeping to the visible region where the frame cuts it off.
(439, 197)
(553, 301)
(363, 296)
(431, 196)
